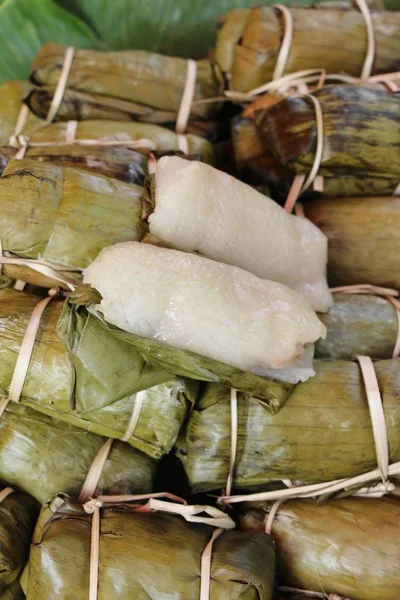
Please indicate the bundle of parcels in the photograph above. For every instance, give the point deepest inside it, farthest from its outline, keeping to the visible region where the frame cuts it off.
(189, 316)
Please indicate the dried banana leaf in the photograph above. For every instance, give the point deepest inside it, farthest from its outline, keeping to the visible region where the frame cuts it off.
(249, 41)
(43, 456)
(82, 303)
(132, 81)
(144, 556)
(18, 514)
(322, 433)
(361, 141)
(95, 388)
(363, 238)
(163, 139)
(63, 216)
(358, 325)
(119, 163)
(349, 547)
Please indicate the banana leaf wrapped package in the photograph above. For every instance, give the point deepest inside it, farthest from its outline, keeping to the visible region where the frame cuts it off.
(349, 546)
(142, 85)
(363, 238)
(360, 134)
(42, 456)
(99, 385)
(322, 433)
(106, 147)
(196, 208)
(160, 300)
(62, 218)
(249, 43)
(144, 555)
(18, 514)
(360, 324)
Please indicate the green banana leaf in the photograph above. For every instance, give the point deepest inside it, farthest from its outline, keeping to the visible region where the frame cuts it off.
(43, 456)
(18, 514)
(322, 433)
(361, 141)
(176, 27)
(358, 325)
(63, 216)
(349, 547)
(25, 25)
(181, 362)
(145, 556)
(95, 388)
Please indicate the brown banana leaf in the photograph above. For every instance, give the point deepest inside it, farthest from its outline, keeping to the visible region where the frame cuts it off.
(249, 41)
(18, 514)
(119, 163)
(356, 325)
(349, 547)
(96, 387)
(63, 217)
(42, 457)
(363, 238)
(145, 556)
(143, 84)
(361, 142)
(322, 433)
(80, 307)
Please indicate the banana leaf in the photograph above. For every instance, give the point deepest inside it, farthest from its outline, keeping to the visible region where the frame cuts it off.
(358, 325)
(11, 96)
(322, 433)
(144, 556)
(119, 163)
(363, 238)
(349, 547)
(18, 514)
(25, 25)
(95, 387)
(249, 41)
(175, 27)
(13, 592)
(361, 141)
(80, 307)
(42, 457)
(63, 216)
(81, 106)
(140, 80)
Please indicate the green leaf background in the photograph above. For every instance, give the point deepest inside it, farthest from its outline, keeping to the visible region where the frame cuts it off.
(177, 27)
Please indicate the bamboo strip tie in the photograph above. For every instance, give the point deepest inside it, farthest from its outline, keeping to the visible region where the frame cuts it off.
(61, 85)
(300, 183)
(5, 493)
(217, 518)
(25, 352)
(383, 471)
(187, 97)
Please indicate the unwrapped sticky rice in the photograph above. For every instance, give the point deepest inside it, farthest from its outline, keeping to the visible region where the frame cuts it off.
(216, 310)
(197, 208)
